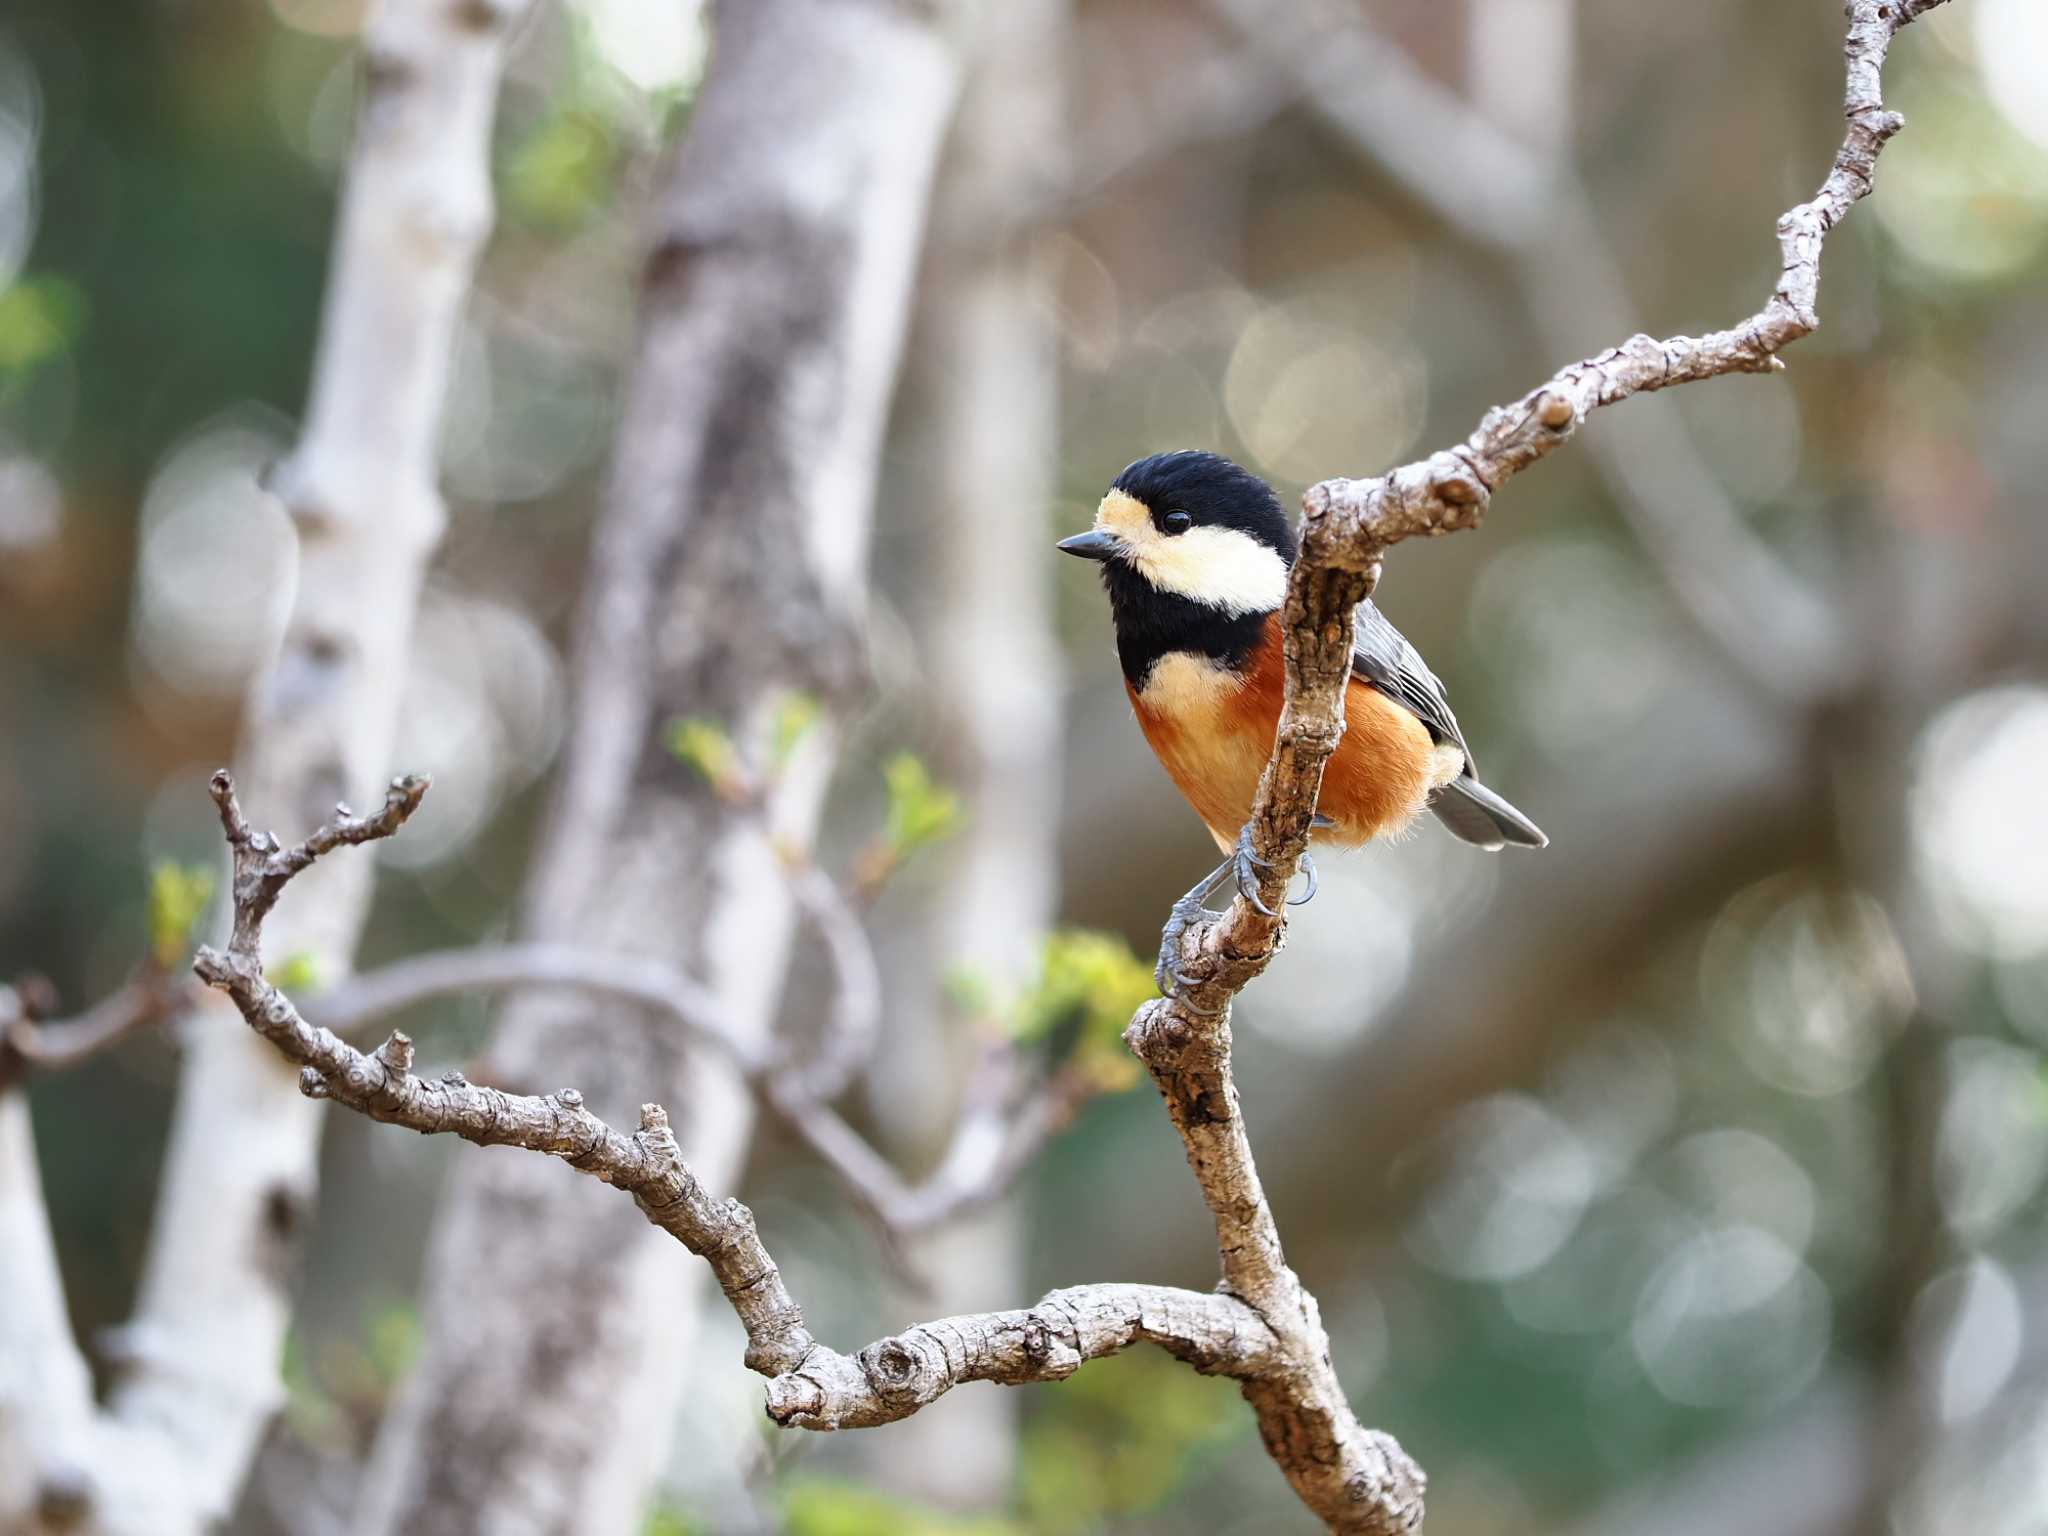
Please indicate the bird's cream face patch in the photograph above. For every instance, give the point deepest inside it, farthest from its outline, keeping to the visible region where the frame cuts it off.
(1220, 567)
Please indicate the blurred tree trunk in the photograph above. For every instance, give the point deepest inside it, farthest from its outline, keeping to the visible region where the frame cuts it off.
(728, 573)
(995, 682)
(197, 1371)
(1522, 67)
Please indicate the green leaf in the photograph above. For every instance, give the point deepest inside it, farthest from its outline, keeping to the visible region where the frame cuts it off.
(830, 1507)
(40, 317)
(561, 173)
(297, 972)
(1118, 1439)
(1089, 984)
(796, 713)
(704, 745)
(921, 812)
(394, 1342)
(665, 1518)
(178, 896)
(970, 992)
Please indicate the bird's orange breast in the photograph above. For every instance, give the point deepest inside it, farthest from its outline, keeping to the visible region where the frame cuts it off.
(1212, 730)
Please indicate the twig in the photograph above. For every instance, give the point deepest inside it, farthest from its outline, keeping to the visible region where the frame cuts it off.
(1496, 191)
(991, 1143)
(357, 1002)
(1217, 99)
(856, 1021)
(1351, 523)
(29, 1044)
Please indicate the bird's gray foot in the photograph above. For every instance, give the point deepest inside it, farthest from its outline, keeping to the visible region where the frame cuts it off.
(1247, 866)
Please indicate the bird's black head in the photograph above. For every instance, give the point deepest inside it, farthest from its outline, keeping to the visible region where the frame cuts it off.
(1194, 552)
(1196, 525)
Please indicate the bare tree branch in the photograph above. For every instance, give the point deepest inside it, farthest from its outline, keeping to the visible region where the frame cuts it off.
(849, 1035)
(1263, 1327)
(1352, 522)
(32, 1044)
(1504, 193)
(358, 1002)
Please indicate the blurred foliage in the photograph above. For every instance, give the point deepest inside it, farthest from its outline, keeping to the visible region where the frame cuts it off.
(668, 1518)
(1088, 985)
(335, 1394)
(298, 971)
(178, 899)
(562, 171)
(796, 715)
(40, 318)
(921, 811)
(708, 748)
(1118, 1438)
(827, 1507)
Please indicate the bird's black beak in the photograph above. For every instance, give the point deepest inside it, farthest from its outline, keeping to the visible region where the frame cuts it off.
(1092, 545)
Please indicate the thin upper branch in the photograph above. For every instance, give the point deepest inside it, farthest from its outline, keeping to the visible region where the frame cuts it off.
(1353, 521)
(1508, 196)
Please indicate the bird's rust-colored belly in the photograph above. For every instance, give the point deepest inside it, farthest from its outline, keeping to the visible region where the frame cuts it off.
(1212, 731)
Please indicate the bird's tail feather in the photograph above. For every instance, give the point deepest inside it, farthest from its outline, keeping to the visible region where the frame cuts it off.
(1475, 814)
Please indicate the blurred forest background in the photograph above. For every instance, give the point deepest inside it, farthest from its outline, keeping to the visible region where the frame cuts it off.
(1689, 1176)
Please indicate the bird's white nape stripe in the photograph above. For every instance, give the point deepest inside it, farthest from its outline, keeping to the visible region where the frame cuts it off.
(1220, 567)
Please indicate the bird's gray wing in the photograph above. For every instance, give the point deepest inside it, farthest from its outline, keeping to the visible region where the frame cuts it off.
(1382, 656)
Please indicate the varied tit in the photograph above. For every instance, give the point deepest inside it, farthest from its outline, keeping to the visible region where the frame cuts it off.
(1195, 553)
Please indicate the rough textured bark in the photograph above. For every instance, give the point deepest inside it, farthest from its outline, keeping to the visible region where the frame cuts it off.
(728, 571)
(198, 1374)
(993, 675)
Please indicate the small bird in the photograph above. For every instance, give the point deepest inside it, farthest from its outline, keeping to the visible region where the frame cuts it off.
(1195, 552)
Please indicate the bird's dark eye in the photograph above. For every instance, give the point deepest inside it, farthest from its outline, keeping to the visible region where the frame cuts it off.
(1177, 522)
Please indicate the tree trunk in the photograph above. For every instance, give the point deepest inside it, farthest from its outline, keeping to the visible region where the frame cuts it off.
(995, 678)
(728, 572)
(198, 1381)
